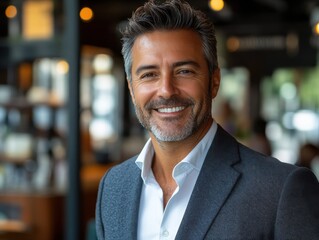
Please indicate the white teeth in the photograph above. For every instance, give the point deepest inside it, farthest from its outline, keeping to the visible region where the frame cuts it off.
(170, 110)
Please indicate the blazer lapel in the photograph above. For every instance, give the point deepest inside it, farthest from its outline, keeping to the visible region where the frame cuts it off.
(130, 206)
(123, 205)
(215, 182)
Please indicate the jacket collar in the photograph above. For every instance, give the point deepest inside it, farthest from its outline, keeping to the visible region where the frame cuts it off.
(215, 182)
(122, 209)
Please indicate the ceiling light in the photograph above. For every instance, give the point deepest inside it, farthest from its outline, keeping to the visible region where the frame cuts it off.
(316, 28)
(216, 5)
(86, 14)
(11, 11)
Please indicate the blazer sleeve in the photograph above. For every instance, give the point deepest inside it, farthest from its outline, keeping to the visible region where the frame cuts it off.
(298, 208)
(98, 211)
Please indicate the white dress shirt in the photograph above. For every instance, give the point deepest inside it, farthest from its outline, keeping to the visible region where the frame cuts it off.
(154, 222)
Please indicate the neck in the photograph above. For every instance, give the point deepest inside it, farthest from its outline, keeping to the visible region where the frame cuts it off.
(164, 177)
(169, 154)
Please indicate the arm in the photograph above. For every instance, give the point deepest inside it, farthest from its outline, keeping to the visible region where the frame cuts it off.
(98, 211)
(298, 208)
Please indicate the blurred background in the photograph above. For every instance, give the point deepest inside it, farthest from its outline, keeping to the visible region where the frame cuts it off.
(66, 114)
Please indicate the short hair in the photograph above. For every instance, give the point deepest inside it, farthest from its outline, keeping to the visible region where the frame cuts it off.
(168, 15)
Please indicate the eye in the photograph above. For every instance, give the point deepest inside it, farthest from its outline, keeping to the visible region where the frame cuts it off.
(148, 75)
(185, 72)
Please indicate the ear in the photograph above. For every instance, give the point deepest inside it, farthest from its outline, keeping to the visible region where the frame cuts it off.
(215, 82)
(129, 84)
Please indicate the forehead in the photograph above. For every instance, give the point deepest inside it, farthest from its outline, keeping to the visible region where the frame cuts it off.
(167, 45)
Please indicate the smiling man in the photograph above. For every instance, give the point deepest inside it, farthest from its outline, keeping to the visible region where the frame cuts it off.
(192, 180)
(171, 86)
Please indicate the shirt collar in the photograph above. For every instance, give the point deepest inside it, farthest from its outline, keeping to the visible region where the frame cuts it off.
(195, 158)
(144, 159)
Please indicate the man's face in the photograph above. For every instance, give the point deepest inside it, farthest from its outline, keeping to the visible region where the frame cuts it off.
(171, 87)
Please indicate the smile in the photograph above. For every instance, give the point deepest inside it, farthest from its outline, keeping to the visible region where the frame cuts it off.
(171, 110)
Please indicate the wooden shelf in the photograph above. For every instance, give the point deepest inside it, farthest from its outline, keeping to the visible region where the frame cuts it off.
(18, 50)
(24, 104)
(15, 160)
(13, 226)
(41, 216)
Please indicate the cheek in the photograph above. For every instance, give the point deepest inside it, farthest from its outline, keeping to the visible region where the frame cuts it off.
(196, 91)
(141, 97)
(143, 92)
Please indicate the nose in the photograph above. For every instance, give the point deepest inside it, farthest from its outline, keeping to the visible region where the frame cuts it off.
(167, 86)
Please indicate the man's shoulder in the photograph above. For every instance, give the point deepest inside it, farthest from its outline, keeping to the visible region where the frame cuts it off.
(257, 164)
(122, 171)
(253, 157)
(126, 165)
(248, 158)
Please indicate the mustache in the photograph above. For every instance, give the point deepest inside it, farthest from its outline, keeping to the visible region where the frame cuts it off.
(168, 102)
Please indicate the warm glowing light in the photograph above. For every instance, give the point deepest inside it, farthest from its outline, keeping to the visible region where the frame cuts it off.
(216, 5)
(86, 14)
(316, 28)
(11, 11)
(37, 19)
(62, 67)
(102, 63)
(233, 44)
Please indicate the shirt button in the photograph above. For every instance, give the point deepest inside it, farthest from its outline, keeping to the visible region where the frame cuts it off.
(165, 233)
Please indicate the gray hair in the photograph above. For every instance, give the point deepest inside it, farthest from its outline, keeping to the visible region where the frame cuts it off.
(168, 15)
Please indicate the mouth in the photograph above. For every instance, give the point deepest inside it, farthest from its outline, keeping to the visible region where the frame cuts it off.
(171, 109)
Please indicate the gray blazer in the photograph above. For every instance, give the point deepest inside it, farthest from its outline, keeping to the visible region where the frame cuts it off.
(239, 194)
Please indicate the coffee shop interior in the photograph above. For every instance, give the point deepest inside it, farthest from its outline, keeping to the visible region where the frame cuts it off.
(66, 116)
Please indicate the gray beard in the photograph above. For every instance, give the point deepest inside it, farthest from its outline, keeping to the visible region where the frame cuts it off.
(161, 135)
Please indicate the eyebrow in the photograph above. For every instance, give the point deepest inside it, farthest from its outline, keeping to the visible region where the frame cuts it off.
(144, 67)
(182, 63)
(177, 64)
